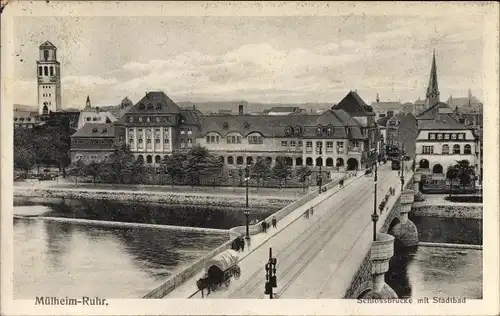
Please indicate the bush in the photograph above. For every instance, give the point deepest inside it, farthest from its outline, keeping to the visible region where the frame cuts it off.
(465, 199)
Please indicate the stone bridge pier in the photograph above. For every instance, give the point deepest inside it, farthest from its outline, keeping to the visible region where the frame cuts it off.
(403, 229)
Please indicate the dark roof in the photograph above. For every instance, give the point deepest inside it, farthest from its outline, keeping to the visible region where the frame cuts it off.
(275, 126)
(47, 44)
(430, 112)
(191, 117)
(440, 122)
(383, 121)
(94, 130)
(149, 104)
(354, 105)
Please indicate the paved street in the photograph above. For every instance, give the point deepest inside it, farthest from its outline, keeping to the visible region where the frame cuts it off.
(312, 252)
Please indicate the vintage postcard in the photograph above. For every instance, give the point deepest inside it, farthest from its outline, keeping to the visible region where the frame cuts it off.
(249, 158)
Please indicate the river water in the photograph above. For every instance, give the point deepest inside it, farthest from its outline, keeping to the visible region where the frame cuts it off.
(75, 259)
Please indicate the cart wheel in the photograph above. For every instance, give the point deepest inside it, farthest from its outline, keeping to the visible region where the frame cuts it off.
(227, 282)
(237, 273)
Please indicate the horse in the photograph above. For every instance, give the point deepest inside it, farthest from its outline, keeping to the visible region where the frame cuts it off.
(203, 284)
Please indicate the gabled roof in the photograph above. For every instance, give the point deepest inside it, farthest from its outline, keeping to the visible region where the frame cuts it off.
(354, 105)
(48, 44)
(441, 122)
(96, 130)
(191, 117)
(156, 102)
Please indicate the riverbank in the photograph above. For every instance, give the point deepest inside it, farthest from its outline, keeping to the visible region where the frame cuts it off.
(437, 206)
(214, 199)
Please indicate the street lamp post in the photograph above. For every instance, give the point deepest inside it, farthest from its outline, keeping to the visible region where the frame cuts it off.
(375, 215)
(320, 180)
(402, 167)
(247, 210)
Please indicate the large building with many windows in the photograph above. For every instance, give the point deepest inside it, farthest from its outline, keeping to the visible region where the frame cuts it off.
(156, 126)
(442, 141)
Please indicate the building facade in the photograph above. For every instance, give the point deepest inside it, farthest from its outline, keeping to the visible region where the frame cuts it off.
(25, 118)
(156, 126)
(442, 142)
(94, 115)
(94, 142)
(48, 79)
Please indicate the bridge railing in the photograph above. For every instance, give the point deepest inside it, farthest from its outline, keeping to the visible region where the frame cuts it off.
(178, 279)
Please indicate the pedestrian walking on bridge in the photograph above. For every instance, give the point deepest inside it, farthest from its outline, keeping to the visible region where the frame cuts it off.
(312, 210)
(306, 214)
(264, 226)
(274, 222)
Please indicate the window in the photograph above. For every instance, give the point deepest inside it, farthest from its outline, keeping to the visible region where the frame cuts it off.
(131, 119)
(157, 140)
(446, 136)
(445, 150)
(94, 118)
(45, 55)
(131, 141)
(165, 141)
(157, 119)
(456, 149)
(140, 130)
(300, 143)
(453, 136)
(329, 132)
(158, 106)
(51, 71)
(189, 131)
(355, 144)
(149, 140)
(467, 150)
(289, 131)
(309, 146)
(427, 149)
(46, 71)
(40, 72)
(439, 136)
(142, 106)
(148, 119)
(94, 130)
(233, 139)
(140, 119)
(255, 139)
(182, 131)
(329, 146)
(238, 139)
(340, 145)
(212, 139)
(150, 106)
(88, 119)
(105, 130)
(284, 143)
(318, 131)
(461, 136)
(293, 143)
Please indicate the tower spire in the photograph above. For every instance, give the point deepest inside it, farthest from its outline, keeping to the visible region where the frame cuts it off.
(432, 96)
(87, 104)
(378, 99)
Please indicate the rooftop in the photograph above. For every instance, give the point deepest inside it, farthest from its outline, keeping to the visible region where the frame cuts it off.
(92, 130)
(354, 105)
(156, 102)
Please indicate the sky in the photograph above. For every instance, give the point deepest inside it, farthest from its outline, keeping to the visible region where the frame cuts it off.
(284, 59)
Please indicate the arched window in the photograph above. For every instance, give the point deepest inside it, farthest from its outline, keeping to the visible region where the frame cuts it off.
(289, 131)
(51, 70)
(158, 106)
(298, 130)
(46, 71)
(45, 109)
(249, 160)
(423, 164)
(221, 159)
(309, 161)
(456, 149)
(437, 169)
(467, 150)
(157, 159)
(329, 132)
(140, 158)
(288, 161)
(329, 162)
(239, 160)
(318, 131)
(319, 161)
(149, 159)
(40, 71)
(230, 160)
(340, 162)
(445, 150)
(298, 161)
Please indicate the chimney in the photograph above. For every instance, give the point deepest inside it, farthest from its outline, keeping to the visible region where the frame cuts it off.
(194, 106)
(97, 109)
(241, 109)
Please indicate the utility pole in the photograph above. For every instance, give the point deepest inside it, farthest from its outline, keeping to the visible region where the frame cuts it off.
(271, 281)
(247, 209)
(401, 166)
(320, 178)
(375, 215)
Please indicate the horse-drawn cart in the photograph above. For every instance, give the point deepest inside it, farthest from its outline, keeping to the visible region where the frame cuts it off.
(218, 271)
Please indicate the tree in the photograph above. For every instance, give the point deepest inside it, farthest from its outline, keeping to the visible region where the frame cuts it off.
(196, 160)
(174, 167)
(138, 171)
(77, 170)
(213, 168)
(24, 159)
(302, 174)
(260, 170)
(93, 170)
(461, 173)
(281, 170)
(120, 163)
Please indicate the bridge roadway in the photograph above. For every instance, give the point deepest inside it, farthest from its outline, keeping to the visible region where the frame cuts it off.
(315, 256)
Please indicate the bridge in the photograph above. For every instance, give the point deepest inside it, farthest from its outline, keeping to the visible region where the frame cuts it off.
(332, 253)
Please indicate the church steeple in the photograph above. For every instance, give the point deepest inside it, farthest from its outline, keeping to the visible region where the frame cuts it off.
(88, 106)
(432, 96)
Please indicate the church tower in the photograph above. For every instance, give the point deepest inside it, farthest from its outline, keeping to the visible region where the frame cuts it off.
(48, 79)
(88, 106)
(432, 96)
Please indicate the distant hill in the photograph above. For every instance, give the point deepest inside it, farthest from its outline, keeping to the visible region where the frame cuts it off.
(251, 107)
